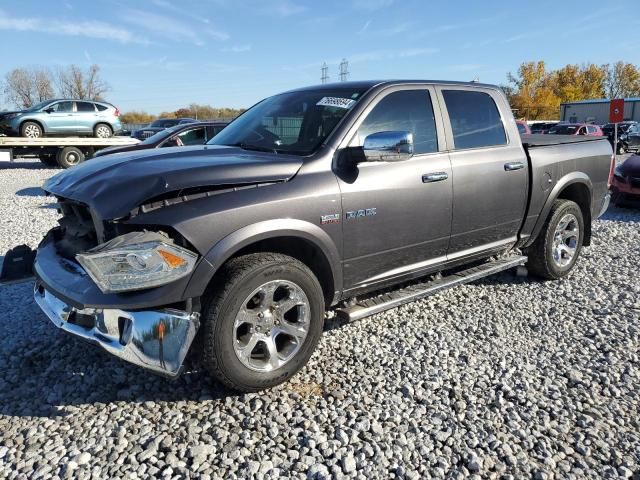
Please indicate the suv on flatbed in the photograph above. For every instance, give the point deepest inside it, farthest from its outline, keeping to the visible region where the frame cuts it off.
(314, 198)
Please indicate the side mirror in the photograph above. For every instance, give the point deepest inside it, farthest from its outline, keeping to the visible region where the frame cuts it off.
(388, 146)
(49, 110)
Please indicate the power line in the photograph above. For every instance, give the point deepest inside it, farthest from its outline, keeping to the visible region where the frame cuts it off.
(325, 73)
(344, 70)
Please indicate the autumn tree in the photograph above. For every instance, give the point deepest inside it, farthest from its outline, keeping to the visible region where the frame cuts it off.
(24, 87)
(137, 117)
(574, 82)
(533, 94)
(73, 82)
(622, 80)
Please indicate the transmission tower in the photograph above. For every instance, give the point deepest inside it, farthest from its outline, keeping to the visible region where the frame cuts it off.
(344, 70)
(325, 73)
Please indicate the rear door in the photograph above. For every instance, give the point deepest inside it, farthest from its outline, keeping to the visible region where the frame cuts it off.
(85, 117)
(490, 170)
(396, 220)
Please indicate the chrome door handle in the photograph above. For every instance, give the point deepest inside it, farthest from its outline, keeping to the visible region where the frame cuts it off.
(434, 177)
(509, 167)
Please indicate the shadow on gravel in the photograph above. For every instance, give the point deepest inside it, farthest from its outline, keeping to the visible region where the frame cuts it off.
(31, 192)
(25, 165)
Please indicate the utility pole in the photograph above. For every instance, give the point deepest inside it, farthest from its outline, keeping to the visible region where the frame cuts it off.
(344, 70)
(325, 73)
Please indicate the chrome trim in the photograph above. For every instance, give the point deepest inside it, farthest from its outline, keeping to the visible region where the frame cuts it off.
(388, 146)
(511, 166)
(131, 336)
(605, 204)
(434, 177)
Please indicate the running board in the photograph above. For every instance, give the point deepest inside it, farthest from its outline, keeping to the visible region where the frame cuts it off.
(385, 301)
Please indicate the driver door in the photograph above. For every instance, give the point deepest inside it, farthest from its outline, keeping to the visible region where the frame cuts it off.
(397, 215)
(61, 118)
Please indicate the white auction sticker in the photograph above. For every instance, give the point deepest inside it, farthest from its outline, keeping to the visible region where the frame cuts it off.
(336, 102)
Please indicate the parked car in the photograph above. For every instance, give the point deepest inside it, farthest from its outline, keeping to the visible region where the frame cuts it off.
(310, 198)
(625, 186)
(523, 127)
(178, 136)
(159, 125)
(63, 117)
(623, 127)
(630, 139)
(542, 127)
(576, 129)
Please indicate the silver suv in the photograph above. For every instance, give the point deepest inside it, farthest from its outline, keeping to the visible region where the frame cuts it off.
(63, 117)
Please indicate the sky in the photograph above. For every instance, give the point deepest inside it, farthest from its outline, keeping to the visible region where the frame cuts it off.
(159, 55)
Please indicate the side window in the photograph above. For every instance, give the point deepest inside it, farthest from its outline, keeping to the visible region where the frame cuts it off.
(475, 119)
(407, 111)
(591, 129)
(212, 131)
(195, 136)
(100, 107)
(85, 107)
(61, 107)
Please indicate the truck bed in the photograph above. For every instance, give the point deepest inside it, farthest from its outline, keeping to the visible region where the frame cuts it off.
(539, 140)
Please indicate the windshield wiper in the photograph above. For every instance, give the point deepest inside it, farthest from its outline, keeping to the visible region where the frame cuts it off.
(257, 148)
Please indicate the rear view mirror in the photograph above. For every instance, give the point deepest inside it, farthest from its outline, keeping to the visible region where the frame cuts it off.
(388, 146)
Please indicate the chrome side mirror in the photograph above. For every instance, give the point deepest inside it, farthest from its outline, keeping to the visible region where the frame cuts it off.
(388, 146)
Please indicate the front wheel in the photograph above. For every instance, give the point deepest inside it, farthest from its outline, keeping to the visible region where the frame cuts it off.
(31, 130)
(556, 249)
(261, 321)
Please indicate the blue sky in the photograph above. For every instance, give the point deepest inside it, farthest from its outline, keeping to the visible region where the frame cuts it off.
(160, 54)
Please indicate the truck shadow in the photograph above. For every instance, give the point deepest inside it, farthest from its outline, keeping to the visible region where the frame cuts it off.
(25, 165)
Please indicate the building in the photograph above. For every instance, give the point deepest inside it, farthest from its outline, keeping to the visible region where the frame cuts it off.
(597, 111)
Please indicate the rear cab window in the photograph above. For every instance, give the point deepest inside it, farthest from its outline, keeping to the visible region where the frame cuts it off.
(475, 119)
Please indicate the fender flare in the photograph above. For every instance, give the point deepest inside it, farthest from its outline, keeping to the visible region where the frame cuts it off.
(245, 236)
(569, 179)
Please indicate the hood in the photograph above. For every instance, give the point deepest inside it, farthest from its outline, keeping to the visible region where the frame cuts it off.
(2, 114)
(119, 149)
(631, 166)
(116, 184)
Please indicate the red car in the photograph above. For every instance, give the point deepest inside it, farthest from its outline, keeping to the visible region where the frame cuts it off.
(625, 185)
(577, 129)
(523, 127)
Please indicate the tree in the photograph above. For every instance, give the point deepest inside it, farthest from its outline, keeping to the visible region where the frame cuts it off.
(622, 80)
(534, 96)
(574, 82)
(137, 117)
(25, 87)
(74, 83)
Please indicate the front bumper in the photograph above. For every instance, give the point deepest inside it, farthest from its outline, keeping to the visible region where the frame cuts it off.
(134, 336)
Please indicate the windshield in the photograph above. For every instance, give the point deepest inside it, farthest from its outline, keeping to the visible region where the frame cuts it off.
(296, 122)
(164, 123)
(564, 129)
(161, 135)
(38, 106)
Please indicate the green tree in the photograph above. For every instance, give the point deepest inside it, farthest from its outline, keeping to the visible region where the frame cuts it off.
(622, 80)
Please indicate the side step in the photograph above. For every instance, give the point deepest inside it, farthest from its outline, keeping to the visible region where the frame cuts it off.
(385, 301)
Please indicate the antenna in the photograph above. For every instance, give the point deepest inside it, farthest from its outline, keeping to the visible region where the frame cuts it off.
(325, 73)
(344, 70)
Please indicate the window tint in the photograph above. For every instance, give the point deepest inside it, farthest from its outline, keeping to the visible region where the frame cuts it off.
(475, 119)
(63, 107)
(85, 107)
(406, 111)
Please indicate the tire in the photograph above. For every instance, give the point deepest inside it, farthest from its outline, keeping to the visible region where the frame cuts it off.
(621, 149)
(102, 130)
(31, 130)
(543, 253)
(68, 157)
(48, 159)
(246, 284)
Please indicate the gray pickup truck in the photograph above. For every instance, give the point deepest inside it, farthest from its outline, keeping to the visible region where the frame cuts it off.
(358, 196)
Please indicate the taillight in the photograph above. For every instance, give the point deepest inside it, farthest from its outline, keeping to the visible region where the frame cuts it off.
(611, 170)
(117, 112)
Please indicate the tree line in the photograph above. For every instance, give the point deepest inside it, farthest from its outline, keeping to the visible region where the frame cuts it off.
(197, 111)
(536, 92)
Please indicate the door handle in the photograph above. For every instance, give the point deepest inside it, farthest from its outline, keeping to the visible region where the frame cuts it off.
(511, 166)
(434, 177)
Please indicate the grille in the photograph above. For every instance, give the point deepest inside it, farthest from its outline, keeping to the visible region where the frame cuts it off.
(77, 232)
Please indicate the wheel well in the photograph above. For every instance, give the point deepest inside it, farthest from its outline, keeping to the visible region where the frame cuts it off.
(301, 249)
(102, 123)
(579, 193)
(32, 121)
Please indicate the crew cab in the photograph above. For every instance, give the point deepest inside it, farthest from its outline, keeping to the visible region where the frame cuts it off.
(357, 197)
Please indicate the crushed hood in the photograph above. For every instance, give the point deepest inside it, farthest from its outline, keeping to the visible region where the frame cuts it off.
(115, 184)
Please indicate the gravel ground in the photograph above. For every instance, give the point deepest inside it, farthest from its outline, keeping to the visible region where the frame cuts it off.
(504, 378)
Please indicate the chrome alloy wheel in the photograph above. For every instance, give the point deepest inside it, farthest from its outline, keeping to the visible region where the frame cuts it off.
(565, 240)
(271, 326)
(32, 131)
(103, 132)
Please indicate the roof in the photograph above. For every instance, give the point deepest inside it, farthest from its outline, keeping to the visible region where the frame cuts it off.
(367, 84)
(600, 100)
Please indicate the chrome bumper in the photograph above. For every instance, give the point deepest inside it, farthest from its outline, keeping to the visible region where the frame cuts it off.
(131, 336)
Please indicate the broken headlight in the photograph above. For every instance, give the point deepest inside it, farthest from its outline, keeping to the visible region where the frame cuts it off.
(136, 261)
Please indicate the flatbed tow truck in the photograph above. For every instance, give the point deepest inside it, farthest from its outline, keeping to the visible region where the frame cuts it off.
(58, 151)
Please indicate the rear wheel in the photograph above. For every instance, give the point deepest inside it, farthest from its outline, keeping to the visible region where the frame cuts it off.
(102, 130)
(69, 156)
(261, 321)
(621, 149)
(31, 130)
(557, 248)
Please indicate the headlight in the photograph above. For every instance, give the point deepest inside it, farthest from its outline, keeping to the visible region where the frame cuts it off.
(136, 261)
(10, 116)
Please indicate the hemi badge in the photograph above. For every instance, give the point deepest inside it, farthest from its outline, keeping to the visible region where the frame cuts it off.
(332, 218)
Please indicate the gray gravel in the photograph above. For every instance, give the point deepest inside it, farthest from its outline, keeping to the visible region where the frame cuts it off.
(504, 378)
